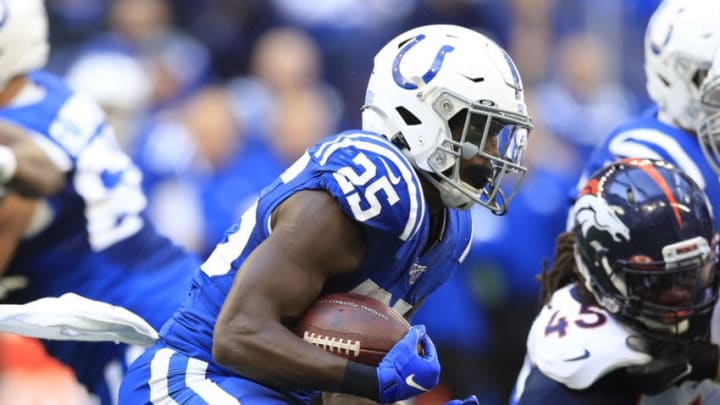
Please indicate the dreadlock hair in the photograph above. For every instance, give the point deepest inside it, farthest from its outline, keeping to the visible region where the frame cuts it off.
(563, 271)
(563, 268)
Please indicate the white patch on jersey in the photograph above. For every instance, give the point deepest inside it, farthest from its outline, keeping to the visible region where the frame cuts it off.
(625, 145)
(296, 168)
(417, 200)
(77, 121)
(220, 261)
(583, 354)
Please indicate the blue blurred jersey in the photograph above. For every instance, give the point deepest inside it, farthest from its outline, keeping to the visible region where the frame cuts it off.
(92, 237)
(646, 137)
(375, 185)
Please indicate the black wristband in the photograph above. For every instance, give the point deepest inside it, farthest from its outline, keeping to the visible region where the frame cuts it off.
(360, 380)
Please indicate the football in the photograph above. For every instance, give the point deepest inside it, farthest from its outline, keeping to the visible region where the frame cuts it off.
(353, 326)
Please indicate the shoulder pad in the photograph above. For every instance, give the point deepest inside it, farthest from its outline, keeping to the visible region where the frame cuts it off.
(577, 344)
(373, 181)
(670, 144)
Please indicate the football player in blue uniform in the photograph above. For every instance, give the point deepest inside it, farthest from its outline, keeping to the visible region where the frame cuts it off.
(89, 235)
(381, 211)
(638, 273)
(681, 40)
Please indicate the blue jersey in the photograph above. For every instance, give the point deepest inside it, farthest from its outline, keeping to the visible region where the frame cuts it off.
(92, 237)
(647, 137)
(375, 185)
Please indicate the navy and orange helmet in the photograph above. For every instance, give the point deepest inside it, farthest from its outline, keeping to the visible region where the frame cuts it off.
(646, 247)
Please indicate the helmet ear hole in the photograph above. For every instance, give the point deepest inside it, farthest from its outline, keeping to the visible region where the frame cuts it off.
(407, 116)
(699, 77)
(457, 122)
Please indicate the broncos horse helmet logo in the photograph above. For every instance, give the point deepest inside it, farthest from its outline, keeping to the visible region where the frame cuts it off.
(591, 211)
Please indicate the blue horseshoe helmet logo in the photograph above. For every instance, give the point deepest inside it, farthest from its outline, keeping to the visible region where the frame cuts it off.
(431, 72)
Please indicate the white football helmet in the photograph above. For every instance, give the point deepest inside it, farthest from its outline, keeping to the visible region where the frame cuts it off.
(23, 37)
(680, 42)
(709, 129)
(429, 75)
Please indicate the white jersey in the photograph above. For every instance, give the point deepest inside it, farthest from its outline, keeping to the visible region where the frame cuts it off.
(575, 344)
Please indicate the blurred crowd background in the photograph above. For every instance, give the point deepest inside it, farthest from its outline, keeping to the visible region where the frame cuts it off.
(213, 99)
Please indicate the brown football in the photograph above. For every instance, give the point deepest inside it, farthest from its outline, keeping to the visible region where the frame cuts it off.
(353, 326)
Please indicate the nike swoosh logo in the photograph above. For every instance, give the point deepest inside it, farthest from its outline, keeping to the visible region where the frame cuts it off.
(583, 356)
(410, 381)
(393, 179)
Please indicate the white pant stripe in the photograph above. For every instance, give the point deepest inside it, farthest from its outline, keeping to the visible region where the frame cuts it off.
(158, 378)
(195, 379)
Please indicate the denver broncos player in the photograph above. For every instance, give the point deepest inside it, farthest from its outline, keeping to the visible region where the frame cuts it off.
(638, 269)
(380, 211)
(89, 235)
(681, 41)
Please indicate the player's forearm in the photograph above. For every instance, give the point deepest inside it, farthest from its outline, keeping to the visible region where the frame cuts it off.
(25, 167)
(278, 358)
(35, 174)
(16, 213)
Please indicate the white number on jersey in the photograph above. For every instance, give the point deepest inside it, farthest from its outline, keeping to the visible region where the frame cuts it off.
(348, 178)
(109, 184)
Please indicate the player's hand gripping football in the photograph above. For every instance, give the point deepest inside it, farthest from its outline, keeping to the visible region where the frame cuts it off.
(406, 371)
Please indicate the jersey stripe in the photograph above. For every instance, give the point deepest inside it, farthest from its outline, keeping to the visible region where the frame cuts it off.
(220, 260)
(465, 252)
(159, 368)
(364, 142)
(196, 380)
(626, 145)
(296, 168)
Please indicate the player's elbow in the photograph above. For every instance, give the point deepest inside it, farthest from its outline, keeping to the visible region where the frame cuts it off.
(41, 180)
(52, 182)
(234, 343)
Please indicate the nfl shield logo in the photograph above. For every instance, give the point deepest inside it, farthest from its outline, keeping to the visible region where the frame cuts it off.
(415, 271)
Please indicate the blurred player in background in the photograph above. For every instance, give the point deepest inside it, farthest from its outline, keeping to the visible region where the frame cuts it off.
(89, 235)
(681, 40)
(381, 212)
(637, 271)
